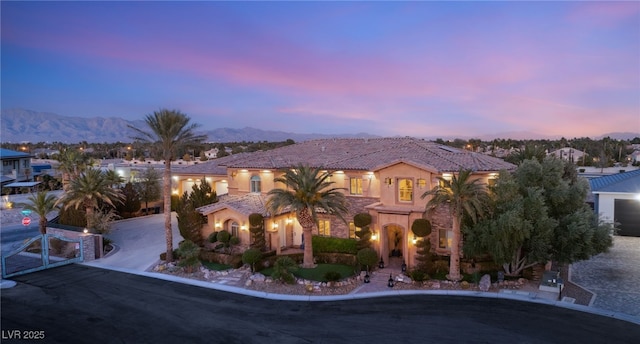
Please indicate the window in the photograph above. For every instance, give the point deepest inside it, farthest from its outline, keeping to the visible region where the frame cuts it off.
(352, 230)
(356, 186)
(405, 190)
(255, 184)
(234, 228)
(445, 238)
(324, 228)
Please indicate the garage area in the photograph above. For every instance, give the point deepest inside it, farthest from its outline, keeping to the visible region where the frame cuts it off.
(627, 213)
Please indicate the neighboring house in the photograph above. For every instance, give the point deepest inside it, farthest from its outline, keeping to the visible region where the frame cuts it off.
(569, 154)
(16, 167)
(384, 177)
(617, 199)
(635, 156)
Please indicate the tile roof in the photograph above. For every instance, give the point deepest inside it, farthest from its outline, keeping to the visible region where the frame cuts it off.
(627, 182)
(216, 166)
(243, 204)
(370, 155)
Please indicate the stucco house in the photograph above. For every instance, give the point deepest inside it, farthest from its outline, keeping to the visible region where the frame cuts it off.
(617, 199)
(384, 177)
(568, 154)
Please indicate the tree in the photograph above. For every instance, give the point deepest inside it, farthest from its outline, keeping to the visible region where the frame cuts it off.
(306, 191)
(130, 202)
(540, 215)
(190, 221)
(256, 228)
(170, 129)
(87, 190)
(71, 164)
(42, 204)
(148, 188)
(463, 196)
(519, 232)
(362, 221)
(530, 151)
(203, 194)
(113, 178)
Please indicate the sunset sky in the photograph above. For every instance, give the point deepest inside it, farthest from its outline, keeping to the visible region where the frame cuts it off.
(385, 68)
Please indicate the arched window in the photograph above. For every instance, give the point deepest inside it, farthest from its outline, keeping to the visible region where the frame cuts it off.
(234, 228)
(255, 184)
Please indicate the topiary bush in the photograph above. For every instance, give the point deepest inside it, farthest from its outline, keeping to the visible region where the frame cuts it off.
(421, 227)
(362, 221)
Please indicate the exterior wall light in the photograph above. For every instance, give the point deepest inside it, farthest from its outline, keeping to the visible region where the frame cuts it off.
(390, 282)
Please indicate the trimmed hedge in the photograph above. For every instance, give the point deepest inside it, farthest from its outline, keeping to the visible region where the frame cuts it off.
(333, 245)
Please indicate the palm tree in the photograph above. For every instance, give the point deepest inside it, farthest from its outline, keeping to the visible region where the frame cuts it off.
(171, 130)
(42, 204)
(87, 190)
(307, 191)
(72, 163)
(463, 196)
(113, 178)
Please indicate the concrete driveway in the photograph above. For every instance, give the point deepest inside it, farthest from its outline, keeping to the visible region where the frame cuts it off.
(81, 304)
(139, 242)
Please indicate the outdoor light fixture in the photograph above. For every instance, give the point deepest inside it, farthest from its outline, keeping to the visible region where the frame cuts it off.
(404, 267)
(85, 231)
(381, 263)
(388, 181)
(415, 240)
(390, 282)
(218, 225)
(367, 278)
(374, 236)
(243, 227)
(275, 226)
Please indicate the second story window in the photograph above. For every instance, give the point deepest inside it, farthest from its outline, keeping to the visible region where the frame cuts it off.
(255, 184)
(405, 190)
(356, 186)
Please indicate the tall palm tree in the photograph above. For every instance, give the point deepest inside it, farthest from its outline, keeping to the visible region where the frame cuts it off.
(463, 196)
(307, 191)
(42, 204)
(87, 190)
(171, 129)
(71, 164)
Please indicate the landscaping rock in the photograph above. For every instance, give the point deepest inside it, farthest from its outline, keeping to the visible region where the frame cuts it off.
(485, 282)
(258, 277)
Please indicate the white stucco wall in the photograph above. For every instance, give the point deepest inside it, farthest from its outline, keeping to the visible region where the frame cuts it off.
(606, 203)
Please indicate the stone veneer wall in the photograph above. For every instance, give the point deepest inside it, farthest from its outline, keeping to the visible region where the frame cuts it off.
(91, 243)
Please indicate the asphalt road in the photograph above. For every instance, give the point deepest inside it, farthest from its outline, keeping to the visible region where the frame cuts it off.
(81, 304)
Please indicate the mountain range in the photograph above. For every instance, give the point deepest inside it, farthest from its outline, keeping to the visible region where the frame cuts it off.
(21, 125)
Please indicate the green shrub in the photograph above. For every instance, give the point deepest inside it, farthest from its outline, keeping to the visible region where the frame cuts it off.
(251, 257)
(333, 245)
(283, 270)
(163, 255)
(332, 276)
(367, 257)
(213, 237)
(224, 236)
(189, 253)
(418, 275)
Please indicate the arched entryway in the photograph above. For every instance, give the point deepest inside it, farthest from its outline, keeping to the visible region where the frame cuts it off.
(395, 244)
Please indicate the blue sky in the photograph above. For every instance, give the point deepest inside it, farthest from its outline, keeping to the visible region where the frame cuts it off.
(387, 68)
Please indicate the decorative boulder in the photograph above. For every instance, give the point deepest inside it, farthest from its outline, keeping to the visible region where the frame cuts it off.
(485, 283)
(257, 277)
